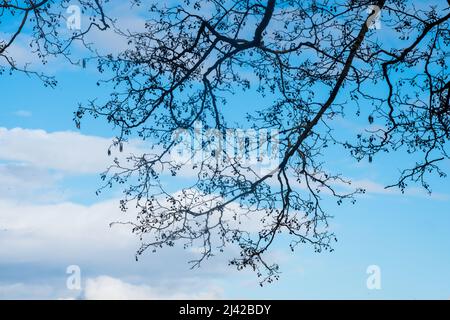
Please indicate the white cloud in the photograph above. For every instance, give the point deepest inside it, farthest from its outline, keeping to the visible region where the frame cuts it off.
(61, 231)
(105, 287)
(20, 51)
(374, 188)
(69, 233)
(127, 19)
(54, 236)
(28, 183)
(67, 151)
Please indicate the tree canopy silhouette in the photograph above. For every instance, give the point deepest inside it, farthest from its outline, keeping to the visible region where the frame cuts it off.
(320, 60)
(42, 25)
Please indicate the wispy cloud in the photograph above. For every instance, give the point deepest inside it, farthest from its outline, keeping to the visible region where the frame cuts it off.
(23, 113)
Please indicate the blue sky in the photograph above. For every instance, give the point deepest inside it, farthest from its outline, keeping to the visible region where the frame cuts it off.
(50, 217)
